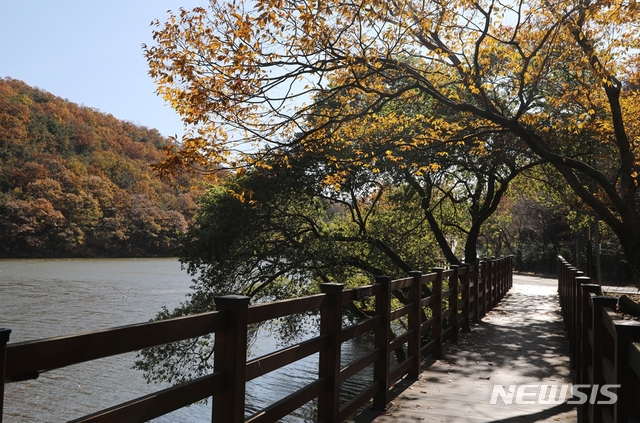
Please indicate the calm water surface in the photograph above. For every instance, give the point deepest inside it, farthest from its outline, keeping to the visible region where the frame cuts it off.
(51, 297)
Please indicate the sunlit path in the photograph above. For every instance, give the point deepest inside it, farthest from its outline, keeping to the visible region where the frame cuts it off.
(521, 341)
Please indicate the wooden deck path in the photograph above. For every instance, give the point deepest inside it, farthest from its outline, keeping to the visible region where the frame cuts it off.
(521, 341)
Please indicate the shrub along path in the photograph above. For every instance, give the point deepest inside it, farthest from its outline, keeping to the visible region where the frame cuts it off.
(521, 341)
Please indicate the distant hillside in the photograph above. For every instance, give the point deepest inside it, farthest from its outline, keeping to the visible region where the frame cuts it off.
(75, 182)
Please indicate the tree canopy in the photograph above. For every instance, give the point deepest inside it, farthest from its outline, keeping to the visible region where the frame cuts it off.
(559, 77)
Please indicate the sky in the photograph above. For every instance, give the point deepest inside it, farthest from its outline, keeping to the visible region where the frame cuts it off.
(90, 53)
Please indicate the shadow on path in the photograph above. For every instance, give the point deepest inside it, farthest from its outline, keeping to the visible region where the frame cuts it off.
(521, 341)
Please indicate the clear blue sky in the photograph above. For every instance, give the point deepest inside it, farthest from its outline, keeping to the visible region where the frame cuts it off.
(90, 53)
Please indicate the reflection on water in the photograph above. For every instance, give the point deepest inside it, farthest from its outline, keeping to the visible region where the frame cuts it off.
(50, 297)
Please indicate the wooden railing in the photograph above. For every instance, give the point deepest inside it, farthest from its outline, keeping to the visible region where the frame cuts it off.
(457, 296)
(604, 348)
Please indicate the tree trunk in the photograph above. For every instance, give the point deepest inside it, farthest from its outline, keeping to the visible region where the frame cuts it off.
(471, 246)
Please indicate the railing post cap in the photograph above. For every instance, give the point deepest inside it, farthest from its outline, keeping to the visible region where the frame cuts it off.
(240, 300)
(591, 287)
(605, 300)
(331, 286)
(4, 335)
(415, 273)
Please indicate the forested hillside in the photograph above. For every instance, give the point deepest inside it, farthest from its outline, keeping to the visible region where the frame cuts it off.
(77, 182)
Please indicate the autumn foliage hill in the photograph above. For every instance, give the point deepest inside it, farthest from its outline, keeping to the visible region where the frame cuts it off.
(76, 182)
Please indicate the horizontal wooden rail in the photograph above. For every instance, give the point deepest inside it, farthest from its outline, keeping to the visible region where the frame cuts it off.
(360, 328)
(26, 360)
(401, 312)
(277, 309)
(160, 403)
(356, 366)
(360, 400)
(267, 363)
(290, 403)
(456, 296)
(353, 294)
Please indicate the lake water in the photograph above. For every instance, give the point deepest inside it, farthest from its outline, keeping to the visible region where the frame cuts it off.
(51, 297)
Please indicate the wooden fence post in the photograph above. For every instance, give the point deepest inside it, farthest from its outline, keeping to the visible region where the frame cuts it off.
(510, 271)
(331, 324)
(490, 283)
(476, 291)
(576, 303)
(436, 309)
(453, 302)
(577, 329)
(230, 356)
(561, 268)
(4, 339)
(466, 298)
(627, 331)
(486, 293)
(382, 339)
(415, 342)
(599, 346)
(499, 264)
(573, 311)
(494, 285)
(585, 358)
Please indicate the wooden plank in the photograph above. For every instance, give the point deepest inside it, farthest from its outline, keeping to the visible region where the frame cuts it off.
(428, 277)
(413, 323)
(426, 301)
(447, 273)
(427, 324)
(401, 370)
(382, 338)
(608, 371)
(230, 356)
(401, 283)
(270, 362)
(447, 333)
(634, 358)
(358, 401)
(360, 328)
(32, 357)
(402, 311)
(400, 340)
(428, 348)
(436, 308)
(461, 321)
(263, 312)
(159, 403)
(329, 358)
(289, 404)
(357, 365)
(362, 292)
(4, 339)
